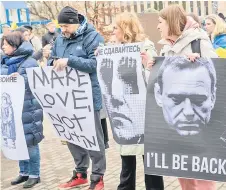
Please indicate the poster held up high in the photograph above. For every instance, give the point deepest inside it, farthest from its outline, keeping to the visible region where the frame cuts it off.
(122, 83)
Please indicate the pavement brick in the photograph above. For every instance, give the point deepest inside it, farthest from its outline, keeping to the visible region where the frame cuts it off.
(57, 165)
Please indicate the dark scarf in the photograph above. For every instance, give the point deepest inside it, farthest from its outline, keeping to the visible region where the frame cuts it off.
(12, 63)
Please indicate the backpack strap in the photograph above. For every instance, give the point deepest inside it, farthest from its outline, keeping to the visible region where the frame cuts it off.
(195, 46)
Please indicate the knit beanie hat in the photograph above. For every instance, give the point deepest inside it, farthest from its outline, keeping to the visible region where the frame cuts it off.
(68, 15)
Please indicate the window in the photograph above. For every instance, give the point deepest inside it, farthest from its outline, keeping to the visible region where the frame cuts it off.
(155, 5)
(192, 6)
(160, 5)
(184, 5)
(149, 4)
(142, 6)
(199, 7)
(135, 6)
(206, 7)
(129, 4)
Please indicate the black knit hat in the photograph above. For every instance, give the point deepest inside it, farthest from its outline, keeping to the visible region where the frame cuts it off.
(28, 27)
(68, 15)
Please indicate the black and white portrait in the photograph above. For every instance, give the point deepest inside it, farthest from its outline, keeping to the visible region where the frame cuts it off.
(124, 92)
(186, 93)
(186, 117)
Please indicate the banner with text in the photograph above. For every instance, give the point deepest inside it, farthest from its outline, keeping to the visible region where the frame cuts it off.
(185, 125)
(66, 98)
(13, 143)
(122, 83)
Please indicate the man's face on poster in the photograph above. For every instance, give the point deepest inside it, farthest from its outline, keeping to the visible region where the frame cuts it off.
(186, 99)
(125, 108)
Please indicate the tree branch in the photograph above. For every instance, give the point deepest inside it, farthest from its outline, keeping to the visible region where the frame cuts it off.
(50, 9)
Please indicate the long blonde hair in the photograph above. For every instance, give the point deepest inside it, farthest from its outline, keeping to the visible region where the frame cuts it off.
(220, 25)
(131, 27)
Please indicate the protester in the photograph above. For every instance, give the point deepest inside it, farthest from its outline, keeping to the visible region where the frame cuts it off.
(75, 48)
(24, 32)
(17, 58)
(177, 33)
(128, 29)
(51, 35)
(38, 55)
(34, 40)
(216, 28)
(5, 30)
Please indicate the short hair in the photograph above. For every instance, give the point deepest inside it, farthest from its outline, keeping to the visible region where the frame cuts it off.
(178, 63)
(175, 17)
(21, 29)
(28, 27)
(14, 39)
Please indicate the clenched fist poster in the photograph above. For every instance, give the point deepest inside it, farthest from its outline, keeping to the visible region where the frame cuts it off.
(121, 78)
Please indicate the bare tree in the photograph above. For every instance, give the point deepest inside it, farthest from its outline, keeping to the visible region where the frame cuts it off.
(99, 13)
(49, 10)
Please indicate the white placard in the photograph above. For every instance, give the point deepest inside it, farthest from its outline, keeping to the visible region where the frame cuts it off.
(66, 98)
(13, 143)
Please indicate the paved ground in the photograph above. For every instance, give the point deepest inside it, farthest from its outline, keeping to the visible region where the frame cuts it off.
(57, 166)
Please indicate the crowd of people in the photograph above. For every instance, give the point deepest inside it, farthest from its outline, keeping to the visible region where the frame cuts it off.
(77, 47)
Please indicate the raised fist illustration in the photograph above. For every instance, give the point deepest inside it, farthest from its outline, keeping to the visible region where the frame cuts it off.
(127, 73)
(106, 72)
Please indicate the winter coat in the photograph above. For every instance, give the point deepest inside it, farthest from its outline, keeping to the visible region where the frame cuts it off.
(182, 45)
(219, 44)
(32, 116)
(79, 50)
(48, 38)
(138, 149)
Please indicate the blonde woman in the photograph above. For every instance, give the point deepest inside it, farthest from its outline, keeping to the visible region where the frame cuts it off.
(177, 32)
(128, 29)
(216, 28)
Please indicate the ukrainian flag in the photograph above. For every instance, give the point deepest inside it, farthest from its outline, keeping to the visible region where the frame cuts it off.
(219, 45)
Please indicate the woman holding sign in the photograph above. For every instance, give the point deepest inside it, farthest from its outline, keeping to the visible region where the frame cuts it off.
(17, 58)
(178, 33)
(128, 29)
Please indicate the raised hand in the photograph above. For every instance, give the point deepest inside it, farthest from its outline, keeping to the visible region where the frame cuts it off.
(127, 72)
(106, 71)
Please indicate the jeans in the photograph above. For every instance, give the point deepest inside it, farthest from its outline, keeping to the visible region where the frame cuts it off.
(31, 167)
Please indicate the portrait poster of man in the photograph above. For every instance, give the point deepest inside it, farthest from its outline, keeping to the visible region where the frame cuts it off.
(122, 84)
(185, 122)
